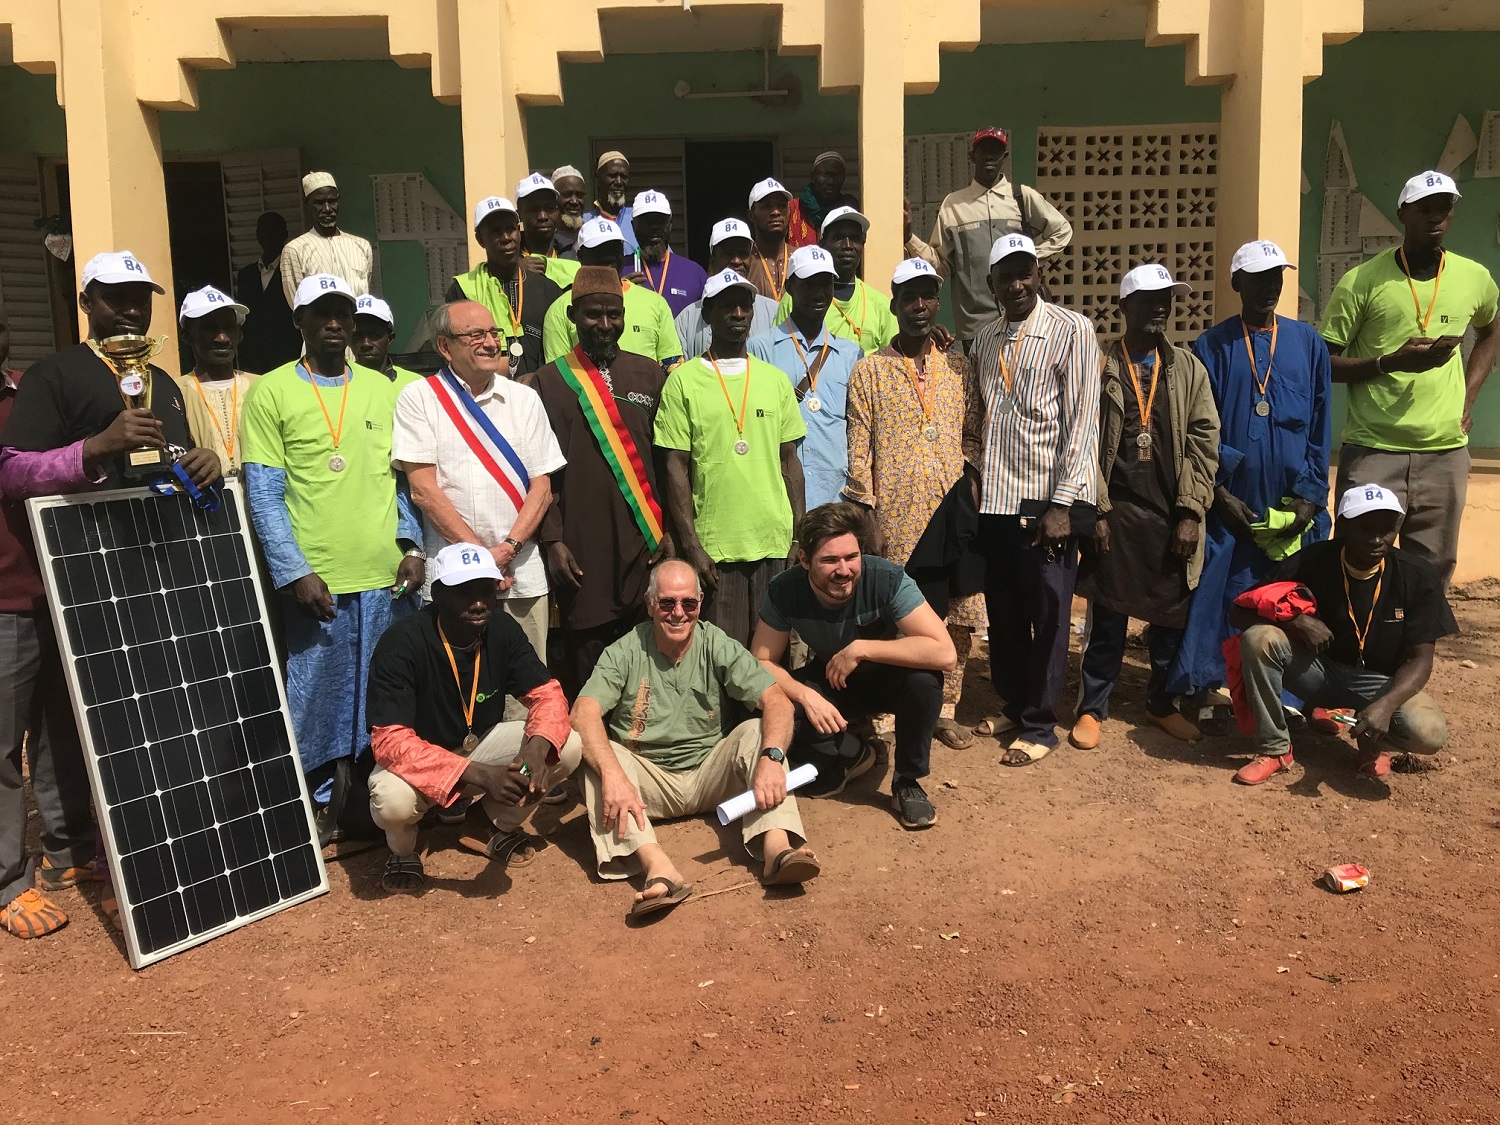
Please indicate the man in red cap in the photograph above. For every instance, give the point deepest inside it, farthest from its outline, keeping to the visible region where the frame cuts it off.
(969, 222)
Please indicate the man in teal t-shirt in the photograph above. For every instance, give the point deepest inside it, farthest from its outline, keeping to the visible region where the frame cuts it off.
(730, 425)
(1393, 327)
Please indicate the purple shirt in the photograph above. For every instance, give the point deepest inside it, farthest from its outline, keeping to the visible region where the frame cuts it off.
(683, 284)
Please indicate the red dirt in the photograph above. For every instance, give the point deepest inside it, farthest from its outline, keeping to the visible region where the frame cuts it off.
(1100, 937)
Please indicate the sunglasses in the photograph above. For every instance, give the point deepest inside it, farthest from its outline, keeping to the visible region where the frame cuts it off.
(689, 605)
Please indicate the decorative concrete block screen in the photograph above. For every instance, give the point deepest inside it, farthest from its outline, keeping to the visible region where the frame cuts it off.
(1133, 195)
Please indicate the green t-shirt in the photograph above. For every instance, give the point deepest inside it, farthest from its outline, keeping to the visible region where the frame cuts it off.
(740, 505)
(649, 328)
(865, 318)
(560, 271)
(403, 377)
(345, 522)
(673, 714)
(1372, 313)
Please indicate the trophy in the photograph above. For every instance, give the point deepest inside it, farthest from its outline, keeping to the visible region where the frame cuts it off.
(130, 357)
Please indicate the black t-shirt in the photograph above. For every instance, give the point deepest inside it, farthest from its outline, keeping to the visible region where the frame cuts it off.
(883, 595)
(73, 395)
(412, 685)
(1411, 609)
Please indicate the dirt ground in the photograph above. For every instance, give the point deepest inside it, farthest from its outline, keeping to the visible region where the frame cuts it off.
(1113, 936)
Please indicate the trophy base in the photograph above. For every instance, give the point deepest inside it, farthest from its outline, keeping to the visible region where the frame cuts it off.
(141, 465)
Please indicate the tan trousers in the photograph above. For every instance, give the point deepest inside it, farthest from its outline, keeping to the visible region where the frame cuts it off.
(396, 807)
(668, 794)
(533, 616)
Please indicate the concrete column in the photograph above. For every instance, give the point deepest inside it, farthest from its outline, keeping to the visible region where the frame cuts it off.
(882, 135)
(494, 126)
(1260, 142)
(118, 195)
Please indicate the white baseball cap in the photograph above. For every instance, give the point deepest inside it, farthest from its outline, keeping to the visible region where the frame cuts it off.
(596, 232)
(1008, 244)
(489, 205)
(911, 269)
(1424, 184)
(534, 183)
(1149, 278)
(725, 279)
(651, 203)
(117, 267)
(726, 229)
(374, 306)
(1364, 498)
(845, 214)
(1259, 256)
(458, 563)
(767, 187)
(316, 285)
(809, 261)
(201, 302)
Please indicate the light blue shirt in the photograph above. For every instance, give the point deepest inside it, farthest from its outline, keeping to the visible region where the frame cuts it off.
(825, 449)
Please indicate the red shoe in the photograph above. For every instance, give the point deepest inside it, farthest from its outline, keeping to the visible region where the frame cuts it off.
(1374, 763)
(1325, 720)
(1264, 768)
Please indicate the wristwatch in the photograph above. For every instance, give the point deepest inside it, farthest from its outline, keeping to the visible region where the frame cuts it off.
(515, 544)
(774, 753)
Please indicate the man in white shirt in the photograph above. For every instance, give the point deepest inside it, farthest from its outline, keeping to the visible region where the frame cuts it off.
(324, 248)
(477, 449)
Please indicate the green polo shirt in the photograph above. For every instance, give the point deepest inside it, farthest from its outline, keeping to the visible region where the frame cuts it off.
(865, 318)
(649, 329)
(560, 271)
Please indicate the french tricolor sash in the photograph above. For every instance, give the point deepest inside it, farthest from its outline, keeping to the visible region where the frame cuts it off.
(486, 442)
(602, 414)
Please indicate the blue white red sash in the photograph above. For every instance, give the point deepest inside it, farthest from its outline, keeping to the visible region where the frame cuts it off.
(486, 442)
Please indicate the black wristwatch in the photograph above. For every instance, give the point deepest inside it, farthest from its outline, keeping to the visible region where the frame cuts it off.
(774, 753)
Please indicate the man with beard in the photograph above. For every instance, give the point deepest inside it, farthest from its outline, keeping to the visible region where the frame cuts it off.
(1158, 456)
(518, 299)
(649, 330)
(604, 529)
(612, 194)
(769, 203)
(324, 248)
(544, 247)
(876, 646)
(824, 192)
(571, 194)
(729, 248)
(730, 425)
(677, 280)
(858, 312)
(214, 390)
(969, 222)
(374, 332)
(1394, 325)
(270, 337)
(341, 537)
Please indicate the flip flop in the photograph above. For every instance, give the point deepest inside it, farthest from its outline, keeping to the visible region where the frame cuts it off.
(676, 893)
(513, 849)
(952, 736)
(994, 726)
(1033, 752)
(398, 870)
(790, 867)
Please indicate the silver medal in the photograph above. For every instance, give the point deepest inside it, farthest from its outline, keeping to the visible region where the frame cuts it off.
(516, 349)
(1006, 405)
(929, 432)
(471, 743)
(1263, 408)
(742, 447)
(814, 403)
(337, 464)
(1143, 440)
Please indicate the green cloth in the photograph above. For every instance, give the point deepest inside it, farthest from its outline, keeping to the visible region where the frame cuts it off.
(343, 522)
(673, 714)
(865, 318)
(1372, 313)
(740, 506)
(1271, 535)
(401, 377)
(482, 286)
(561, 271)
(649, 329)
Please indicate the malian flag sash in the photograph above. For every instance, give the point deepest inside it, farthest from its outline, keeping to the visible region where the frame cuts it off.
(602, 414)
(486, 442)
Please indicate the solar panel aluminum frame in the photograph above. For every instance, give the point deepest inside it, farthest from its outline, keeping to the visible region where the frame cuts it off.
(140, 958)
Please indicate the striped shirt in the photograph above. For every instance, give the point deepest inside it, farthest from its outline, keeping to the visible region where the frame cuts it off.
(1046, 446)
(344, 255)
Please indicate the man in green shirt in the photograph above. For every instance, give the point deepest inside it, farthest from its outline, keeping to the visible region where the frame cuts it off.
(651, 718)
(858, 312)
(730, 424)
(1393, 326)
(649, 330)
(374, 332)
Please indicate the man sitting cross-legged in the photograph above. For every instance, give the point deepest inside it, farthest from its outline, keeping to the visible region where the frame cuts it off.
(876, 646)
(438, 682)
(651, 718)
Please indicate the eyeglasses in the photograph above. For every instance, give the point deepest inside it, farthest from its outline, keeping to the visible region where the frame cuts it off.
(689, 605)
(477, 336)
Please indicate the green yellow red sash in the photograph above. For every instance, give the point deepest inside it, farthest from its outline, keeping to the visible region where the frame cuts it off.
(597, 402)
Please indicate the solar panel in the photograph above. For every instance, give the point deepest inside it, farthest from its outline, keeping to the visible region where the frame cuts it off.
(180, 705)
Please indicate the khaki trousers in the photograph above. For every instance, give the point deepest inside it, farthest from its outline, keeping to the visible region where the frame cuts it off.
(1432, 487)
(396, 807)
(532, 615)
(669, 794)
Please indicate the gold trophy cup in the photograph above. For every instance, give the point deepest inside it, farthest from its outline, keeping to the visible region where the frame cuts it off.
(130, 356)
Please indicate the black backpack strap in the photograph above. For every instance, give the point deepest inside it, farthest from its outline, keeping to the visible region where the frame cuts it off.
(1028, 228)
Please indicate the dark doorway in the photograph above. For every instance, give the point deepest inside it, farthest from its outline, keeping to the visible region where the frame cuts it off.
(198, 231)
(717, 181)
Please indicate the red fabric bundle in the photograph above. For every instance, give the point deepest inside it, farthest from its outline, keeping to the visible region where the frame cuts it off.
(1274, 602)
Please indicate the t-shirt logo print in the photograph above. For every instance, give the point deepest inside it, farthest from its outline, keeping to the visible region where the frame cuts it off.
(639, 715)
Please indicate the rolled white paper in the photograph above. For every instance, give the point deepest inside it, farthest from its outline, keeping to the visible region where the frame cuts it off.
(736, 807)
